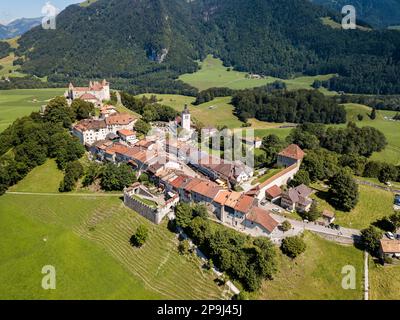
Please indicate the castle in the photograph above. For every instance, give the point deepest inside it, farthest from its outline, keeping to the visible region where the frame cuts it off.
(96, 92)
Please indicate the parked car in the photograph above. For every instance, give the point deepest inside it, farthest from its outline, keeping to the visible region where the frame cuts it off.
(263, 203)
(277, 210)
(390, 235)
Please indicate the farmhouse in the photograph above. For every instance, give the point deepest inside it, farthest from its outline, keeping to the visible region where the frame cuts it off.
(297, 199)
(260, 220)
(390, 248)
(273, 194)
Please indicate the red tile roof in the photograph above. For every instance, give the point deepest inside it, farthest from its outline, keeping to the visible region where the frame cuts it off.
(263, 218)
(120, 119)
(87, 96)
(179, 182)
(273, 192)
(222, 197)
(244, 204)
(293, 151)
(127, 133)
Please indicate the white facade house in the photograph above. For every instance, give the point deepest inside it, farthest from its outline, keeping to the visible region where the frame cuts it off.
(91, 130)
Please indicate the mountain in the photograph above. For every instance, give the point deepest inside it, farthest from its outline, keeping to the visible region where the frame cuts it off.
(18, 27)
(377, 13)
(144, 45)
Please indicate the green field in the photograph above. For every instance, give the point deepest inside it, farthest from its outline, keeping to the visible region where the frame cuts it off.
(88, 244)
(384, 281)
(391, 129)
(316, 274)
(373, 205)
(214, 74)
(218, 112)
(18, 103)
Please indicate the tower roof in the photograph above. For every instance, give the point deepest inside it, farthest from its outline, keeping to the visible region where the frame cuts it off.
(186, 110)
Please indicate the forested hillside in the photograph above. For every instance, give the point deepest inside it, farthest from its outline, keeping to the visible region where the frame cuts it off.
(281, 106)
(143, 45)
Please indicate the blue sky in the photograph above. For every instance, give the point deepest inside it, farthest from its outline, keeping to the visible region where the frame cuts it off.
(13, 9)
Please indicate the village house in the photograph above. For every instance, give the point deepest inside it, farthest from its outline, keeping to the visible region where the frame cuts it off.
(290, 156)
(297, 199)
(390, 248)
(96, 93)
(260, 221)
(273, 194)
(89, 131)
(328, 216)
(128, 136)
(107, 110)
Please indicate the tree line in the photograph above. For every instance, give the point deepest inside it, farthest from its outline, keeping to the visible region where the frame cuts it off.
(248, 260)
(30, 140)
(287, 106)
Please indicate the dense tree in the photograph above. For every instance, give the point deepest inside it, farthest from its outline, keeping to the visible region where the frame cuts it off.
(286, 226)
(271, 145)
(58, 111)
(287, 106)
(343, 192)
(293, 246)
(370, 239)
(117, 177)
(82, 109)
(320, 164)
(92, 173)
(142, 126)
(301, 177)
(184, 215)
(388, 173)
(140, 237)
(313, 215)
(184, 247)
(373, 114)
(355, 162)
(73, 172)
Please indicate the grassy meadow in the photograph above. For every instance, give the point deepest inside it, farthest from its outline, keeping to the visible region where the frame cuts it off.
(17, 103)
(316, 274)
(214, 74)
(391, 129)
(86, 238)
(384, 281)
(218, 112)
(373, 205)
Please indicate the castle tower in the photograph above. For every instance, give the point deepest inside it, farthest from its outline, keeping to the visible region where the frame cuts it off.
(106, 90)
(186, 122)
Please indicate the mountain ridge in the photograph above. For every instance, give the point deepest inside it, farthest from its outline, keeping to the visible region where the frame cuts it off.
(18, 27)
(116, 39)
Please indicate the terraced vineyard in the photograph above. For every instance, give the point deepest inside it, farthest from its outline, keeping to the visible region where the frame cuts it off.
(108, 225)
(91, 234)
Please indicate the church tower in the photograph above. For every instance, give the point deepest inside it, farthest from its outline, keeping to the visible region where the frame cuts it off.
(186, 122)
